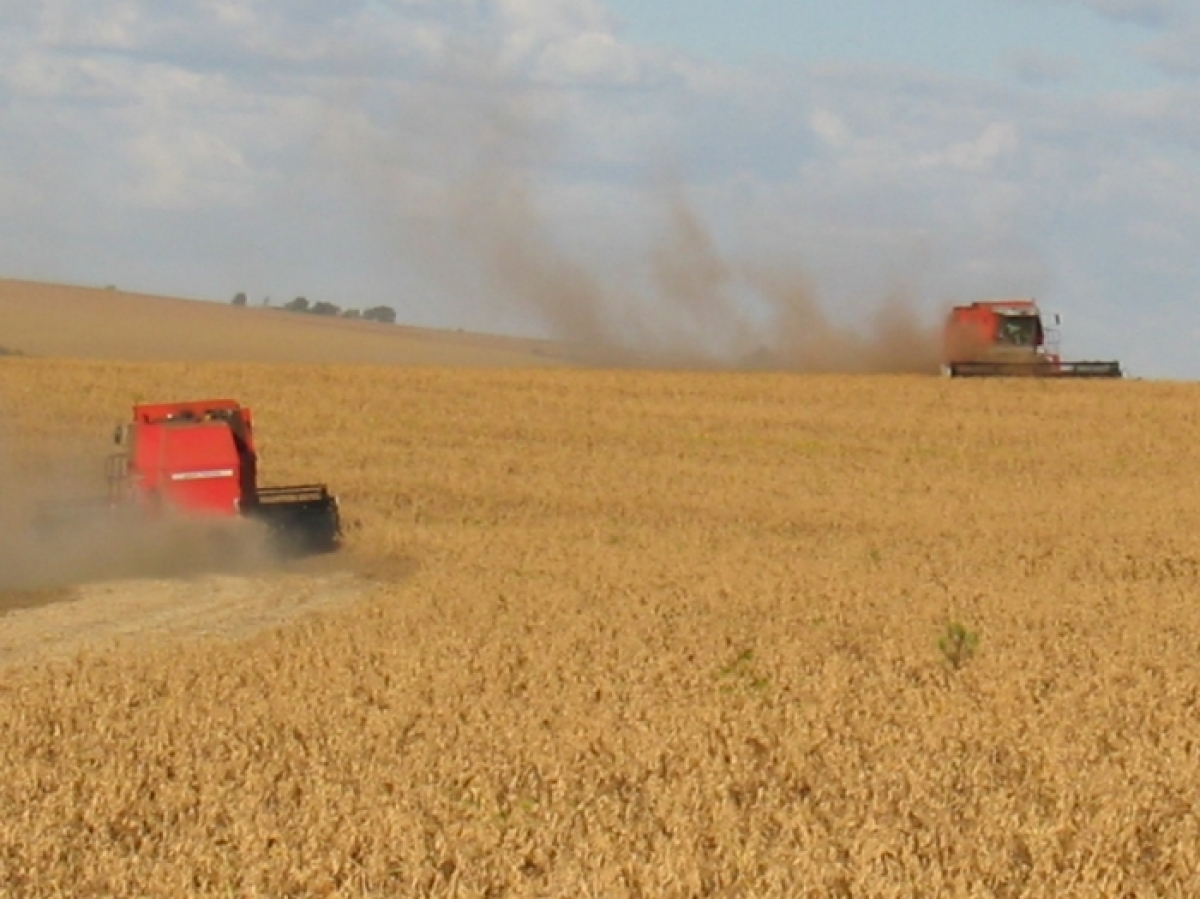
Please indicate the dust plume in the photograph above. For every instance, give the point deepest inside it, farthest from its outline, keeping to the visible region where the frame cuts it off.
(495, 216)
(58, 530)
(469, 200)
(701, 309)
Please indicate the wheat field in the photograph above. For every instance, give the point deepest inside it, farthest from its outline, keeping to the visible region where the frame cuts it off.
(647, 634)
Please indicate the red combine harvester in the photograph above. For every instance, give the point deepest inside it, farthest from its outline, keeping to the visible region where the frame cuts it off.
(199, 458)
(1008, 338)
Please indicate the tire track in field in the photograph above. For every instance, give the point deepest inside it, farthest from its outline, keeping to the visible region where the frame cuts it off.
(58, 624)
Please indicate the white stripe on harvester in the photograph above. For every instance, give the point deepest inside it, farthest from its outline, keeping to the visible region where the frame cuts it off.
(202, 475)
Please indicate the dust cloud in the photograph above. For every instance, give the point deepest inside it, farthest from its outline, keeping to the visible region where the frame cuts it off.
(681, 301)
(57, 529)
(701, 309)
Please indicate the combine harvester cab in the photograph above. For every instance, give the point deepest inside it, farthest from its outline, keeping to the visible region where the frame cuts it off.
(199, 458)
(1008, 338)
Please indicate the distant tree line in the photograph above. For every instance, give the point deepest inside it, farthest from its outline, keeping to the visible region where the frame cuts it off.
(385, 314)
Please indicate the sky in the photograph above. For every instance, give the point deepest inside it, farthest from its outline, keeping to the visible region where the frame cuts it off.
(614, 170)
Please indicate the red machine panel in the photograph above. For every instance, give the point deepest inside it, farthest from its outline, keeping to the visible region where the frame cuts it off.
(189, 466)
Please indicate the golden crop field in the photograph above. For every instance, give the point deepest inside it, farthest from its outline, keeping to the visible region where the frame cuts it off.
(646, 634)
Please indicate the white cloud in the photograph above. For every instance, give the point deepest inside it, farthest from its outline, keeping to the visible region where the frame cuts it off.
(830, 128)
(543, 21)
(1154, 13)
(114, 25)
(981, 155)
(1161, 33)
(1146, 13)
(173, 165)
(589, 58)
(1176, 52)
(1169, 114)
(533, 30)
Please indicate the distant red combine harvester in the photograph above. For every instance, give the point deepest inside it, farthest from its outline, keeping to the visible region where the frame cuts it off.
(1008, 338)
(199, 458)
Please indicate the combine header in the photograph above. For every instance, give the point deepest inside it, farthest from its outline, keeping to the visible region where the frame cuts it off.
(1007, 338)
(199, 458)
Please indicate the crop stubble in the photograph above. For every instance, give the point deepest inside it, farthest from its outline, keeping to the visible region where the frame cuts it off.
(664, 635)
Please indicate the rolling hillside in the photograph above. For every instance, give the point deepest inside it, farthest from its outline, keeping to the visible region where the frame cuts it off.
(91, 323)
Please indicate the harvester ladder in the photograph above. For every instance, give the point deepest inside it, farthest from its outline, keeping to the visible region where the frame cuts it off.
(116, 470)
